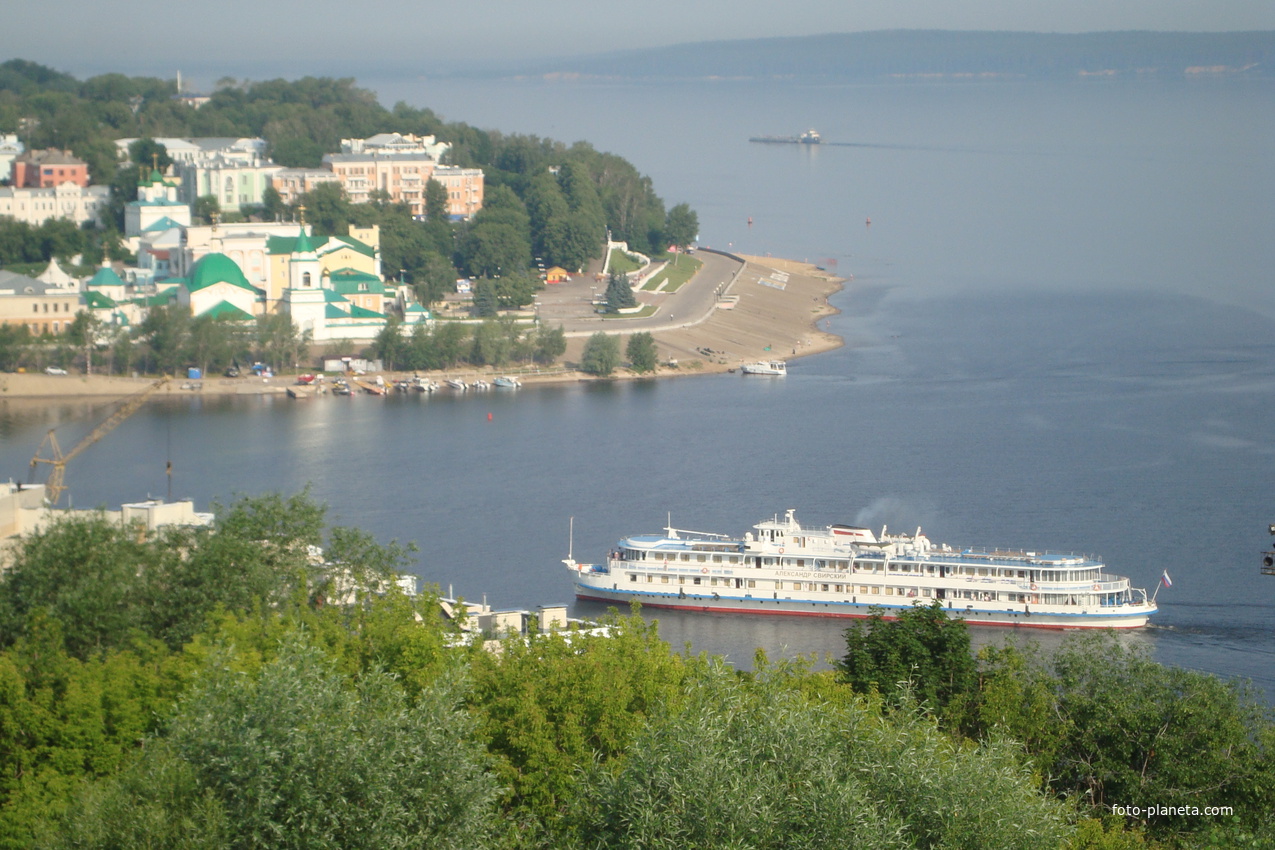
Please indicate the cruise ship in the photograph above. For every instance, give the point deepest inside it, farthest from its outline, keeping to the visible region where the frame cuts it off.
(844, 571)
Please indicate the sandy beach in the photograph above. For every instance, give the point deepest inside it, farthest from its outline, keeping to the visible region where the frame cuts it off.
(772, 311)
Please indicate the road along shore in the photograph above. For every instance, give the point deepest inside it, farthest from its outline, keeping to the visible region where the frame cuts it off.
(771, 310)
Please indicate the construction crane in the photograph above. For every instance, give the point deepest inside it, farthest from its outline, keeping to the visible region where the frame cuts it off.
(54, 487)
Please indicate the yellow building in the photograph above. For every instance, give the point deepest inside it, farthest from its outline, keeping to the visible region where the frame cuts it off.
(358, 252)
(43, 308)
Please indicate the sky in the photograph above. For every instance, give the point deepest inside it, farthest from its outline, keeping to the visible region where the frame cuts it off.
(282, 38)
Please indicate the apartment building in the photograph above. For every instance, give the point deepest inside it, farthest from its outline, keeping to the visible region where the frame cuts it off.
(48, 168)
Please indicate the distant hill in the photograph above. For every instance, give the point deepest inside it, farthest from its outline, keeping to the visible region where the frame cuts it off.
(902, 54)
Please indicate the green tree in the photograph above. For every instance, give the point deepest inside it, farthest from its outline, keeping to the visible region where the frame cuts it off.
(390, 345)
(492, 345)
(14, 340)
(327, 208)
(545, 205)
(432, 280)
(641, 352)
(549, 344)
(773, 765)
(619, 294)
(497, 240)
(64, 720)
(205, 209)
(299, 758)
(281, 343)
(146, 153)
(18, 242)
(551, 706)
(681, 227)
(601, 355)
(922, 648)
(213, 342)
(486, 302)
(84, 571)
(450, 343)
(435, 200)
(272, 205)
(157, 801)
(59, 237)
(1134, 729)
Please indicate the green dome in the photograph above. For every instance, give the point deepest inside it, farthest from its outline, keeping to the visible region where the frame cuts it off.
(217, 268)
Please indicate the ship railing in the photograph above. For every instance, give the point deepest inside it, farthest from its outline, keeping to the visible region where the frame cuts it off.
(1043, 559)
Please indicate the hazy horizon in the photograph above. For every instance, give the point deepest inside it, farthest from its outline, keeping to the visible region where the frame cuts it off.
(253, 41)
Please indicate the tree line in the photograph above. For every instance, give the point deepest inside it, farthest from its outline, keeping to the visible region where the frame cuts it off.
(221, 687)
(546, 199)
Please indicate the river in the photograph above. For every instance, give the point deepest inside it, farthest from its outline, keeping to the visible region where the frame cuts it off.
(1058, 335)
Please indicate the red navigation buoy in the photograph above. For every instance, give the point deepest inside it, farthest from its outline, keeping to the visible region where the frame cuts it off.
(488, 417)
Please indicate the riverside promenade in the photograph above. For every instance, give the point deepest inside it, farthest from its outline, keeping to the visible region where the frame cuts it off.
(736, 309)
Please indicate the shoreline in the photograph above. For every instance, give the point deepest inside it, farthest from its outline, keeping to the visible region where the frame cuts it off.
(772, 311)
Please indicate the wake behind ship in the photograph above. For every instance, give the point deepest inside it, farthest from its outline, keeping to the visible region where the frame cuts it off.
(843, 571)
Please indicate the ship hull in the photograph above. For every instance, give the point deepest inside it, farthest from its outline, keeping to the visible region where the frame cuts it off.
(1027, 619)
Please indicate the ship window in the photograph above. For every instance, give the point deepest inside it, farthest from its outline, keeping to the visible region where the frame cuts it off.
(701, 558)
(823, 587)
(681, 579)
(982, 571)
(717, 559)
(926, 593)
(801, 562)
(650, 579)
(734, 559)
(697, 579)
(632, 576)
(686, 556)
(770, 562)
(889, 591)
(712, 582)
(663, 579)
(752, 583)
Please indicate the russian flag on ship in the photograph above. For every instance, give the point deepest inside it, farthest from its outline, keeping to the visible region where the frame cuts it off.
(1165, 580)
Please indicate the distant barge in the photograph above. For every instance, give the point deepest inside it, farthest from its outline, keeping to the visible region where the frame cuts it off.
(810, 137)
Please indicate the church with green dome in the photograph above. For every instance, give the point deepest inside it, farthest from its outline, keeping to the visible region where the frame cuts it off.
(217, 287)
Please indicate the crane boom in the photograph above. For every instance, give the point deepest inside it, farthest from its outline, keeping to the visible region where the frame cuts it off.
(57, 460)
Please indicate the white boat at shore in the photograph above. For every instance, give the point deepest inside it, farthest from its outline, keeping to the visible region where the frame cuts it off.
(457, 384)
(508, 382)
(846, 571)
(765, 367)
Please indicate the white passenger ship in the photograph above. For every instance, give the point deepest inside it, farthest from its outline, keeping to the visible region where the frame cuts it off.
(843, 571)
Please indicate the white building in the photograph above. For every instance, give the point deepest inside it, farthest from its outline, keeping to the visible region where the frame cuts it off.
(10, 149)
(233, 181)
(68, 200)
(183, 151)
(156, 202)
(396, 143)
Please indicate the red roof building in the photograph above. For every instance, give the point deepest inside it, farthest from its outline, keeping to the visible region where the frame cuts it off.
(47, 169)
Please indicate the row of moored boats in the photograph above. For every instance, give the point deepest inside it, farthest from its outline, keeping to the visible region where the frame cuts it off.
(379, 386)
